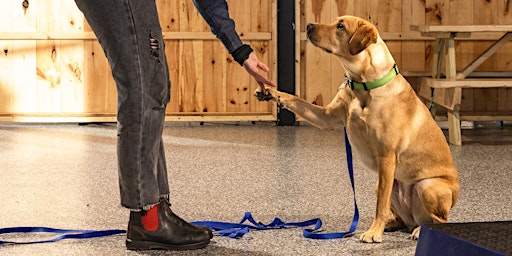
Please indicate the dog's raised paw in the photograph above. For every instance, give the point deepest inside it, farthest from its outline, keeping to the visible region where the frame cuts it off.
(261, 96)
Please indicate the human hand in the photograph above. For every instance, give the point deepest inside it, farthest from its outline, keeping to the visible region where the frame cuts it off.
(253, 66)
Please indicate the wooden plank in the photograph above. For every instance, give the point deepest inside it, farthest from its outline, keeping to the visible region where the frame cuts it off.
(389, 14)
(337, 70)
(487, 116)
(71, 58)
(213, 87)
(412, 13)
(225, 117)
(263, 49)
(300, 26)
(6, 59)
(461, 28)
(189, 77)
(111, 117)
(318, 66)
(173, 51)
(96, 79)
(478, 99)
(454, 133)
(24, 60)
(504, 100)
(469, 83)
(485, 55)
(238, 82)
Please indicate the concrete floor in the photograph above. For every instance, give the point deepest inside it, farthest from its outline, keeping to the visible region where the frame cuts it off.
(65, 176)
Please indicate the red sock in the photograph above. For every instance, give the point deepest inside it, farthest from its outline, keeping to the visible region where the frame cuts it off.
(150, 220)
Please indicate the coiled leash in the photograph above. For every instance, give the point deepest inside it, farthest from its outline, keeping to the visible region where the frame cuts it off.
(232, 230)
(237, 230)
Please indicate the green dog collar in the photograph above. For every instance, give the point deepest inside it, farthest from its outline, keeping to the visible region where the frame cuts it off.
(374, 84)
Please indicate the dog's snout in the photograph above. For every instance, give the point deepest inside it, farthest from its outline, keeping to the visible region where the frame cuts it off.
(310, 27)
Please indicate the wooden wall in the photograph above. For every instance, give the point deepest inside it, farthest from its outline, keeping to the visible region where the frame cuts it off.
(412, 52)
(53, 69)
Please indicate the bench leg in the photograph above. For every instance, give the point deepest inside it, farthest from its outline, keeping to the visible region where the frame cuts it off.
(433, 110)
(454, 133)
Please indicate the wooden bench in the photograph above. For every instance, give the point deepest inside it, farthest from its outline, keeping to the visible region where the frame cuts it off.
(448, 92)
(450, 97)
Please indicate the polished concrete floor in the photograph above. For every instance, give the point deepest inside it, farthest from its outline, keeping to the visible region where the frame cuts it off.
(65, 176)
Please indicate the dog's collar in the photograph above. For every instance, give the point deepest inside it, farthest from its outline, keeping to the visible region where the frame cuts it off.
(373, 84)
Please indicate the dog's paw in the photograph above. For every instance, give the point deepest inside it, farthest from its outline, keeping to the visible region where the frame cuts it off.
(371, 236)
(263, 96)
(415, 233)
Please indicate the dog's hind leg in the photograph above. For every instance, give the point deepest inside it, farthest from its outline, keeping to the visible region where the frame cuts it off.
(432, 202)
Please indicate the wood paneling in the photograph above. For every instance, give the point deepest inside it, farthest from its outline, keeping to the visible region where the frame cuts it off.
(52, 65)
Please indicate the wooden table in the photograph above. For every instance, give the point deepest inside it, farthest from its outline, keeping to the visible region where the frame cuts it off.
(447, 92)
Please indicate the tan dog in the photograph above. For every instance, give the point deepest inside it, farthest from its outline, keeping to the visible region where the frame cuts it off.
(389, 128)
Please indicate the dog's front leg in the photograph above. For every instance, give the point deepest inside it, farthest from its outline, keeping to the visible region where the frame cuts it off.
(333, 116)
(387, 167)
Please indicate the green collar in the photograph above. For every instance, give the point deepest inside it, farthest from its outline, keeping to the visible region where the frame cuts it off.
(374, 84)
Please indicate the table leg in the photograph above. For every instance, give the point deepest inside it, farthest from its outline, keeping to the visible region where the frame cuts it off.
(454, 131)
(437, 58)
(437, 61)
(454, 134)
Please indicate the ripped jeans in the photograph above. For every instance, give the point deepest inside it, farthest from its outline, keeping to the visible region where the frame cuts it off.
(130, 34)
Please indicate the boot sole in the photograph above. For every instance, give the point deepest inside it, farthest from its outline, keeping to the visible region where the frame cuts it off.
(146, 245)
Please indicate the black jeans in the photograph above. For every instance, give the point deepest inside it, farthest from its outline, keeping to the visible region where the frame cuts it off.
(130, 34)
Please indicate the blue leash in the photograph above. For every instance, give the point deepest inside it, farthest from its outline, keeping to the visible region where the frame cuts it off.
(232, 230)
(67, 234)
(237, 230)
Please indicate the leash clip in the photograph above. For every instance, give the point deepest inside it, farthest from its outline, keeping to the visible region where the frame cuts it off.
(345, 83)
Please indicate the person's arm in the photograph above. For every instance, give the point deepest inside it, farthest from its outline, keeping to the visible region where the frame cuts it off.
(215, 13)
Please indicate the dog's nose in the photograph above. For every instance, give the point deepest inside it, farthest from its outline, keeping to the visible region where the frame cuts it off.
(310, 27)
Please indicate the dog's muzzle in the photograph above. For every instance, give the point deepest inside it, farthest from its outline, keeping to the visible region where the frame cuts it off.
(309, 29)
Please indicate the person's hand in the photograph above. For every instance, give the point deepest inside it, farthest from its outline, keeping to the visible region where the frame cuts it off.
(253, 66)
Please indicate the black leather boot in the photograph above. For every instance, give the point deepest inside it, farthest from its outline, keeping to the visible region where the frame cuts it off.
(167, 205)
(173, 233)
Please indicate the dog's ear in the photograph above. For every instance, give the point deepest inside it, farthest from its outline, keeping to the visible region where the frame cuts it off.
(364, 36)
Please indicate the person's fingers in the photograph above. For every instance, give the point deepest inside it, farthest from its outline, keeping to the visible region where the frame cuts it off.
(253, 66)
(264, 80)
(263, 67)
(262, 87)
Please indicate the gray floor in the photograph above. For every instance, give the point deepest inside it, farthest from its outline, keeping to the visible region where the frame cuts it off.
(64, 176)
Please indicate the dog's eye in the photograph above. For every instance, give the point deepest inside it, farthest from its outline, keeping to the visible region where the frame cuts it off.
(340, 26)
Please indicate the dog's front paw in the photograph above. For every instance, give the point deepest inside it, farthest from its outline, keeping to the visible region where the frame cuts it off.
(371, 236)
(263, 96)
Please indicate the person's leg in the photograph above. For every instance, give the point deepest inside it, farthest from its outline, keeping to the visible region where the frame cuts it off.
(130, 34)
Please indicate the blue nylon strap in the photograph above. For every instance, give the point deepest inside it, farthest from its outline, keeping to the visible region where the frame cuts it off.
(67, 234)
(237, 230)
(232, 230)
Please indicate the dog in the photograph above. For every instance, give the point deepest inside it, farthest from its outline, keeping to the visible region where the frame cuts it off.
(388, 126)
